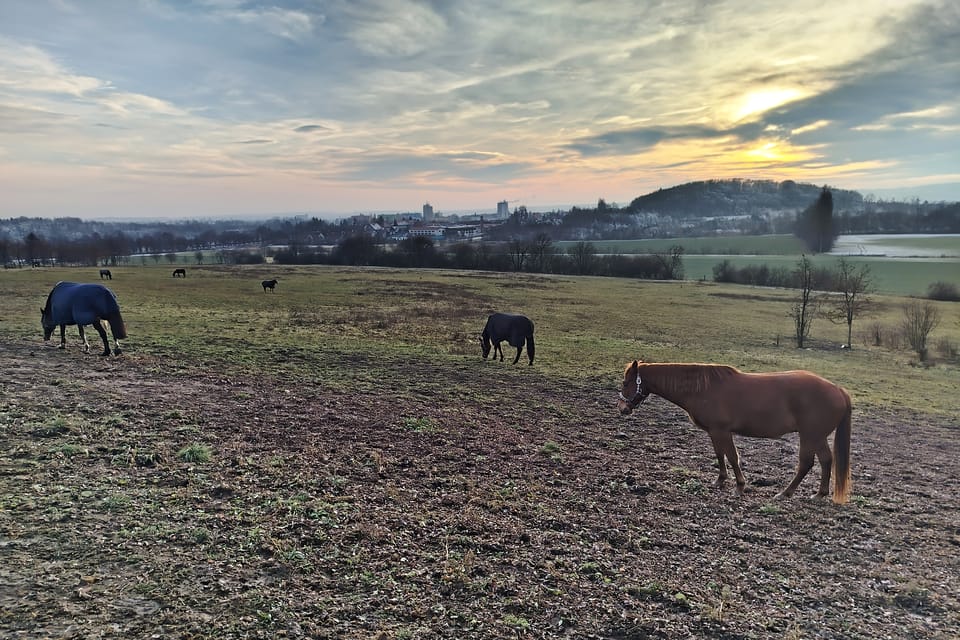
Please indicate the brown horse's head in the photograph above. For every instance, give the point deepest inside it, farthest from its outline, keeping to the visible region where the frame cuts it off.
(634, 391)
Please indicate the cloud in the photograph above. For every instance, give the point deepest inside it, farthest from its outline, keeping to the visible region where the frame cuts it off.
(284, 23)
(309, 128)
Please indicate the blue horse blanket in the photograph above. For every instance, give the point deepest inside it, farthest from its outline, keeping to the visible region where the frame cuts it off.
(70, 303)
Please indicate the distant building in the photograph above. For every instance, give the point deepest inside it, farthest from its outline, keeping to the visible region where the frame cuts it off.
(503, 209)
(427, 212)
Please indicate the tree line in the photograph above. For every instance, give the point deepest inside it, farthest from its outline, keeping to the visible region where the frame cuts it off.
(535, 255)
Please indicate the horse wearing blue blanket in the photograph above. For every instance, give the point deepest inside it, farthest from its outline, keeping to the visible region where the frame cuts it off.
(515, 329)
(81, 304)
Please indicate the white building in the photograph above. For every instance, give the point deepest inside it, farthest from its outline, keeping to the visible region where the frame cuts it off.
(427, 212)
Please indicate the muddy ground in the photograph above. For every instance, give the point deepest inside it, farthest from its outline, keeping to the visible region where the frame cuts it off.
(465, 511)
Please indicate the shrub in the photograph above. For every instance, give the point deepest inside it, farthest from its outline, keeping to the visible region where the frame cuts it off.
(195, 453)
(945, 291)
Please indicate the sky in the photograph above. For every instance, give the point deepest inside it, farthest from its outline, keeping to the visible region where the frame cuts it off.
(227, 108)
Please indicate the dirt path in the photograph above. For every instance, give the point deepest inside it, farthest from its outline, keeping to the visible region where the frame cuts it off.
(470, 512)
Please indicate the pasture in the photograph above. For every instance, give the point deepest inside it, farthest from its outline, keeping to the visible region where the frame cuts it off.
(335, 459)
(903, 265)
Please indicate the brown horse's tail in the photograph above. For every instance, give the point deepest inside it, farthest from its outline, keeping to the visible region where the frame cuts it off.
(117, 326)
(841, 456)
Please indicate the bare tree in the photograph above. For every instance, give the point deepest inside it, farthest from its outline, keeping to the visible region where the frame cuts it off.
(671, 264)
(854, 284)
(584, 255)
(541, 252)
(807, 303)
(919, 320)
(519, 252)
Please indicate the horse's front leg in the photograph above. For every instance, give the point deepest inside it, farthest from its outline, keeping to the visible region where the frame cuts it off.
(497, 348)
(63, 336)
(724, 446)
(721, 465)
(98, 325)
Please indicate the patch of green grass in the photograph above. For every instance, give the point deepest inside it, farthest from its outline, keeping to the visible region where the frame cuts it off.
(420, 425)
(552, 450)
(70, 450)
(53, 428)
(200, 535)
(769, 509)
(516, 622)
(195, 453)
(116, 502)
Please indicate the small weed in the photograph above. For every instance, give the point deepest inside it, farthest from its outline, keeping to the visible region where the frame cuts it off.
(56, 427)
(552, 449)
(195, 453)
(116, 502)
(516, 622)
(200, 535)
(913, 596)
(70, 450)
(420, 425)
(114, 420)
(648, 590)
(692, 486)
(769, 509)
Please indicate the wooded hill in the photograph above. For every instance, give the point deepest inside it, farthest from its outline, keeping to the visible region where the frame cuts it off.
(710, 198)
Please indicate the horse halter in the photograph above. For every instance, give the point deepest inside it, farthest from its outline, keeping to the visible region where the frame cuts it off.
(638, 397)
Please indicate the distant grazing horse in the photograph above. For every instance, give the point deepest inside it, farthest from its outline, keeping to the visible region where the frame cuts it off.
(180, 272)
(269, 284)
(80, 304)
(515, 329)
(105, 273)
(724, 401)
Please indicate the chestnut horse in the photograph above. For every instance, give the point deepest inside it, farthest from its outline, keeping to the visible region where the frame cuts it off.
(724, 401)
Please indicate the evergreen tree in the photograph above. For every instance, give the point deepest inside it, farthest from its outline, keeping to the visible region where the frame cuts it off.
(815, 225)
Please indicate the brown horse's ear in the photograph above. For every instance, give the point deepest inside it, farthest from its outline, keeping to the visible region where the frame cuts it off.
(634, 364)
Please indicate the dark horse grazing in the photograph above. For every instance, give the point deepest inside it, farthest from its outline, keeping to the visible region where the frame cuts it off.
(105, 273)
(269, 284)
(515, 329)
(80, 304)
(724, 401)
(180, 272)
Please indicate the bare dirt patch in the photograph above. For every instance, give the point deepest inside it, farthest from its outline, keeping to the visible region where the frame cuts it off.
(460, 507)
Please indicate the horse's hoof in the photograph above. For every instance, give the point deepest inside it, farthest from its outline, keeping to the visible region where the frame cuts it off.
(117, 352)
(783, 495)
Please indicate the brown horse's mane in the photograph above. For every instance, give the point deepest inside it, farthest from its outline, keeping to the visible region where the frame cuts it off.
(684, 378)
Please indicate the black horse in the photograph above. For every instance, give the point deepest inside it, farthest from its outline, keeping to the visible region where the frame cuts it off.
(105, 273)
(269, 284)
(515, 329)
(180, 272)
(80, 304)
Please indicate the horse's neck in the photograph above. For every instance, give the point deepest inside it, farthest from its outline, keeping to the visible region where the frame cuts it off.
(680, 384)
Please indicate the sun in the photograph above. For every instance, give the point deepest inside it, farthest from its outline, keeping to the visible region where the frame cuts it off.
(757, 102)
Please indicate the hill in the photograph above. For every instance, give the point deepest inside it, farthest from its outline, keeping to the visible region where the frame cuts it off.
(738, 197)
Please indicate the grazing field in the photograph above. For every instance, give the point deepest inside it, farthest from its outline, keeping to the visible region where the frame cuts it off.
(335, 460)
(897, 276)
(904, 265)
(732, 245)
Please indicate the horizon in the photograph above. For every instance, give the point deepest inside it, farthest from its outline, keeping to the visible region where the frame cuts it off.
(233, 109)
